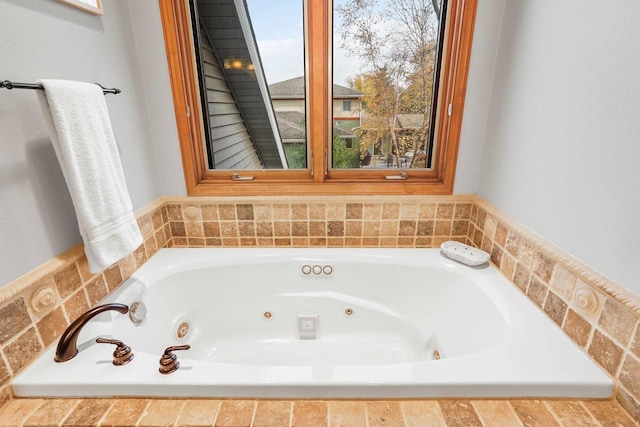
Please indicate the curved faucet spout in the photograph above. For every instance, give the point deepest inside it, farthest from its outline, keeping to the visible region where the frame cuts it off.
(67, 346)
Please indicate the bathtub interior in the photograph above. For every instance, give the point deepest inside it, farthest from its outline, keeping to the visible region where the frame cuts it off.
(367, 313)
(404, 323)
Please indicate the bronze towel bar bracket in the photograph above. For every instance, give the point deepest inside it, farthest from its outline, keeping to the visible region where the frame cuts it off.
(7, 84)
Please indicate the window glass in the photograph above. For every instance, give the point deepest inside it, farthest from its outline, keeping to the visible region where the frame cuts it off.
(385, 61)
(251, 70)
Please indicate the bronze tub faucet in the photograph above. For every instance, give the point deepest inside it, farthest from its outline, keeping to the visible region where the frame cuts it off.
(67, 345)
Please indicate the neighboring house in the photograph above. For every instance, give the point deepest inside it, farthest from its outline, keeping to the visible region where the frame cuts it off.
(288, 99)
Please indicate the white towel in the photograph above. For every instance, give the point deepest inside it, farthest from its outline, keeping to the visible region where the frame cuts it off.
(78, 120)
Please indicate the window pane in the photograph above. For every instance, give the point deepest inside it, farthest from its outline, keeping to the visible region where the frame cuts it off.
(385, 65)
(251, 69)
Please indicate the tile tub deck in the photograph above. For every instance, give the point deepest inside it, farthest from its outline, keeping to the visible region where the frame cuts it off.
(351, 413)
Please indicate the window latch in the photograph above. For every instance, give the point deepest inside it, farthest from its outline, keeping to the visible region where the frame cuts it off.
(402, 176)
(238, 177)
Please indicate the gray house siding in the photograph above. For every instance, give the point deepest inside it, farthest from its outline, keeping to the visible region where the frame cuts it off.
(231, 143)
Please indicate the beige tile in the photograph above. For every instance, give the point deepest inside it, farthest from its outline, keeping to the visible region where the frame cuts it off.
(5, 396)
(68, 280)
(52, 326)
(605, 352)
(543, 266)
(501, 235)
(617, 321)
(87, 413)
(384, 413)
(140, 256)
(608, 413)
(462, 211)
(555, 308)
(335, 228)
(336, 211)
(496, 255)
(571, 413)
(563, 282)
(124, 412)
(347, 414)
(444, 211)
(299, 212)
(390, 211)
(229, 229)
(113, 276)
(96, 290)
(299, 228)
(427, 210)
(198, 413)
(635, 343)
(537, 291)
(628, 403)
(22, 350)
(355, 227)
(245, 212)
(273, 413)
(194, 229)
(459, 413)
(630, 375)
(521, 277)
(236, 413)
(76, 305)
(422, 413)
(174, 212)
(281, 212)
(51, 413)
(317, 211)
(209, 212)
(14, 412)
(508, 266)
(490, 228)
(4, 371)
(443, 228)
(227, 212)
(496, 413)
(409, 211)
(161, 413)
(372, 211)
(354, 211)
(577, 328)
(15, 318)
(407, 228)
(309, 413)
(533, 413)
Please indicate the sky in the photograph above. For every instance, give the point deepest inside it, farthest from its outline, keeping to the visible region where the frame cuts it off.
(278, 28)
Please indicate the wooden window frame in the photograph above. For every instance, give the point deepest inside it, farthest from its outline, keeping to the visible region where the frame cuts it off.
(319, 179)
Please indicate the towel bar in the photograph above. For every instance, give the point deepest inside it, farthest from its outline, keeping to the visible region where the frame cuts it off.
(7, 84)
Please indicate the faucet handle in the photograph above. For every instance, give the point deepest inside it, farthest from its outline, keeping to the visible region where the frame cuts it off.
(122, 355)
(169, 361)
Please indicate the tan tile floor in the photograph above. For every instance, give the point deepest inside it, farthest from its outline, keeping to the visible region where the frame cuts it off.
(347, 413)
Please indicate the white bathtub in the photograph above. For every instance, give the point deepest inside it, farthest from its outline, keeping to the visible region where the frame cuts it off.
(382, 315)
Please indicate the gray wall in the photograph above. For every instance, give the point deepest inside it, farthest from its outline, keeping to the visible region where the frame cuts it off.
(562, 136)
(47, 39)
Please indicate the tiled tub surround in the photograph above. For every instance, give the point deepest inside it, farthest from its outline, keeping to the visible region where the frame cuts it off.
(598, 315)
